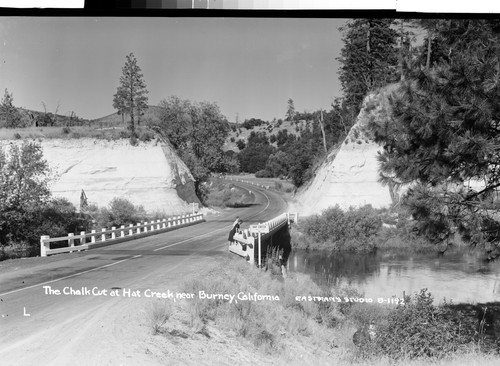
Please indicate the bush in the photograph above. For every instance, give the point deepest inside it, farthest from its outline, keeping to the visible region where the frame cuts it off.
(158, 313)
(220, 194)
(420, 329)
(120, 211)
(66, 130)
(59, 217)
(133, 141)
(146, 136)
(352, 230)
(17, 136)
(264, 173)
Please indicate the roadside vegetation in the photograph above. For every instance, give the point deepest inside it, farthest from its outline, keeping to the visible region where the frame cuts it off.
(218, 193)
(361, 229)
(28, 209)
(74, 132)
(302, 324)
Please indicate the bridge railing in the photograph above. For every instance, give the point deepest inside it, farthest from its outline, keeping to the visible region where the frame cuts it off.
(115, 235)
(248, 244)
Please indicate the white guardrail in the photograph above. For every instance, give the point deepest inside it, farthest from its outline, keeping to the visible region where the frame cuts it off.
(249, 182)
(248, 244)
(116, 235)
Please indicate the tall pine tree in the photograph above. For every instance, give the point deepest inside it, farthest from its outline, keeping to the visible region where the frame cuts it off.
(369, 58)
(131, 95)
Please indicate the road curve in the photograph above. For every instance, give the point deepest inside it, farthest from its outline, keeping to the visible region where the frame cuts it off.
(40, 328)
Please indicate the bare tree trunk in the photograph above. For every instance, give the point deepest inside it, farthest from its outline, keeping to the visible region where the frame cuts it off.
(401, 50)
(131, 124)
(429, 38)
(323, 132)
(368, 51)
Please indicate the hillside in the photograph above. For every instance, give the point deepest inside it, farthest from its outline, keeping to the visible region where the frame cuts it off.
(349, 174)
(32, 118)
(269, 128)
(115, 119)
(149, 174)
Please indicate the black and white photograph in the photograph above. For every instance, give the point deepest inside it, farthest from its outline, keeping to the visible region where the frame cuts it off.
(289, 188)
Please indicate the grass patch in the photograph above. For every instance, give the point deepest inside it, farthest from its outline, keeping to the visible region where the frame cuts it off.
(418, 333)
(267, 322)
(157, 314)
(74, 132)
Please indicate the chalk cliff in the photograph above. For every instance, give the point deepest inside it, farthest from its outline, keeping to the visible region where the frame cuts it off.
(349, 175)
(149, 174)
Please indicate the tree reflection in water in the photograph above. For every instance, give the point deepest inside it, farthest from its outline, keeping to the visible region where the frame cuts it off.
(459, 274)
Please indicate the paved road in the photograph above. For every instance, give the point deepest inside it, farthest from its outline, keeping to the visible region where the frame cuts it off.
(38, 327)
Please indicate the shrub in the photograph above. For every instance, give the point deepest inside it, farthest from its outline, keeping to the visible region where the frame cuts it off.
(354, 229)
(17, 136)
(146, 136)
(133, 141)
(264, 173)
(420, 329)
(120, 211)
(240, 144)
(66, 130)
(158, 313)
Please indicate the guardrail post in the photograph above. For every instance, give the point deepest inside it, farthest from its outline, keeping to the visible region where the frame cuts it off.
(83, 239)
(158, 224)
(130, 229)
(152, 225)
(44, 246)
(103, 236)
(138, 228)
(260, 251)
(113, 234)
(145, 226)
(71, 241)
(169, 222)
(122, 233)
(92, 237)
(164, 223)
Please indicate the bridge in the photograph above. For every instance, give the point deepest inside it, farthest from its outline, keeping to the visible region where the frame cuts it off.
(253, 243)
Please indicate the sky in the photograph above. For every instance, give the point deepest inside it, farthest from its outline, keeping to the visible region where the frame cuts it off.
(250, 67)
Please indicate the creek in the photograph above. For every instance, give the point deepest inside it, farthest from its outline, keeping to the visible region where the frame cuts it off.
(459, 275)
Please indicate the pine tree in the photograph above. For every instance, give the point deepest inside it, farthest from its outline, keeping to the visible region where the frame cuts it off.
(9, 115)
(131, 96)
(369, 58)
(290, 112)
(445, 133)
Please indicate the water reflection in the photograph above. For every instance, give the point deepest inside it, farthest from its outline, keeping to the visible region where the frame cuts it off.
(460, 275)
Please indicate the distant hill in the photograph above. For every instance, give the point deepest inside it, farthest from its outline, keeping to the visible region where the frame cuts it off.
(31, 118)
(269, 128)
(152, 113)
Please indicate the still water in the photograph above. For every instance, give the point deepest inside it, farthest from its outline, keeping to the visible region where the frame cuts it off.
(458, 275)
